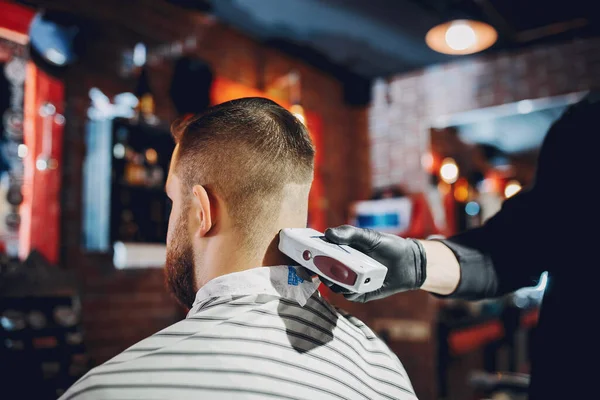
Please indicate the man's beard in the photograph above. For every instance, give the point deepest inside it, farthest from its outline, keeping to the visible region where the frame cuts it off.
(179, 271)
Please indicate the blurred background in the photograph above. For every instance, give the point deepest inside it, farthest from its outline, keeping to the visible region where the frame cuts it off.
(426, 116)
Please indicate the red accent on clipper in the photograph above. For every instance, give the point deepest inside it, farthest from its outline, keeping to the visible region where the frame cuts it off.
(335, 270)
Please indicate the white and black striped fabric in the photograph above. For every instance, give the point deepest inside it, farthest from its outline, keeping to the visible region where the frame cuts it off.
(258, 345)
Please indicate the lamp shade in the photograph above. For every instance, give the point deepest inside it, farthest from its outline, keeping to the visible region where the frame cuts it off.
(55, 41)
(461, 37)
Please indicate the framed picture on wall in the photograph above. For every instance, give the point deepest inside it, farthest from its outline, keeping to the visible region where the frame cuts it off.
(386, 215)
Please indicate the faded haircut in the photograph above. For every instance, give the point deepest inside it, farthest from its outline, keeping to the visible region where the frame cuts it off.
(245, 151)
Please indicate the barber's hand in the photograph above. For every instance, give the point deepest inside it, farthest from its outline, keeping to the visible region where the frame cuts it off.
(404, 258)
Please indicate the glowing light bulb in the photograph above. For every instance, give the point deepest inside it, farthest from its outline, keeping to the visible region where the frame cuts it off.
(41, 164)
(151, 156)
(524, 106)
(139, 54)
(298, 112)
(449, 170)
(461, 194)
(543, 282)
(460, 36)
(56, 56)
(119, 150)
(512, 188)
(461, 190)
(22, 150)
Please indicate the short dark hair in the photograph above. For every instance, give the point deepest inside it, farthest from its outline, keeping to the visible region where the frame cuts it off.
(246, 150)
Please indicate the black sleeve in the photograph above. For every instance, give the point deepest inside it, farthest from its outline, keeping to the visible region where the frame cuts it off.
(540, 229)
(499, 257)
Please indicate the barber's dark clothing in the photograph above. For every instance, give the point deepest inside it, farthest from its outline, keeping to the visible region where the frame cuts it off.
(551, 227)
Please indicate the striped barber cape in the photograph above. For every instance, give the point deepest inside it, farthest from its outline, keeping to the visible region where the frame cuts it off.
(257, 334)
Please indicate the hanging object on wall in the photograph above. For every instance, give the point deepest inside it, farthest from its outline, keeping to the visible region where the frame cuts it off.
(55, 41)
(122, 106)
(172, 50)
(39, 208)
(12, 154)
(143, 91)
(45, 160)
(391, 215)
(190, 86)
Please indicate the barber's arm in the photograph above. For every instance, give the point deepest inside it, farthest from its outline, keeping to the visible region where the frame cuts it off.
(508, 252)
(443, 270)
(485, 262)
(406, 259)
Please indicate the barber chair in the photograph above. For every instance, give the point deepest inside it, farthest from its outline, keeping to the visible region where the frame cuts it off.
(499, 386)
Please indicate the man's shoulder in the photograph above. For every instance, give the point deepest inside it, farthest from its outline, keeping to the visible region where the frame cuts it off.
(362, 345)
(354, 324)
(369, 334)
(349, 328)
(272, 338)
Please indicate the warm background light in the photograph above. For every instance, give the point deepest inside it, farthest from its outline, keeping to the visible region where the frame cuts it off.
(449, 170)
(298, 112)
(151, 156)
(461, 37)
(461, 190)
(512, 188)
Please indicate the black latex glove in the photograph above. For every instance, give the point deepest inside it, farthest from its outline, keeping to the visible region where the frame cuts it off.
(404, 258)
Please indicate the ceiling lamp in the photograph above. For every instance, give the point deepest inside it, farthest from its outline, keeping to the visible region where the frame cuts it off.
(461, 37)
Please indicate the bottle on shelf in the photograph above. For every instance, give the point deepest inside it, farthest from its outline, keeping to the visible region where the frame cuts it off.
(154, 172)
(129, 230)
(145, 108)
(135, 173)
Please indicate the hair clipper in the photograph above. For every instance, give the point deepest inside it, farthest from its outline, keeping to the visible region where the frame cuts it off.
(339, 264)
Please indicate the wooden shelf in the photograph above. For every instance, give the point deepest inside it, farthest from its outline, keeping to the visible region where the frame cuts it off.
(154, 130)
(152, 189)
(116, 210)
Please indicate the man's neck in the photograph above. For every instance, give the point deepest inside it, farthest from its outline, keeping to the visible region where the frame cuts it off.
(273, 256)
(226, 257)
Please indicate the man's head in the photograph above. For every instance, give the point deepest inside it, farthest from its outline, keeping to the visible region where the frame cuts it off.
(239, 173)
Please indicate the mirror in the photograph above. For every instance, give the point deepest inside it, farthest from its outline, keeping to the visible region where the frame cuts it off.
(482, 157)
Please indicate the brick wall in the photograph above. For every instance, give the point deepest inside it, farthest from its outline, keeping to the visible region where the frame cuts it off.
(122, 307)
(404, 107)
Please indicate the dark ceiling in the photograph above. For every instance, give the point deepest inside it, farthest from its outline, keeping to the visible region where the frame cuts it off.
(372, 38)
(354, 40)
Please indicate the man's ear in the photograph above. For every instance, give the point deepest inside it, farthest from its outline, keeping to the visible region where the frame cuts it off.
(202, 211)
